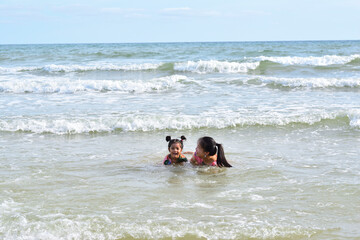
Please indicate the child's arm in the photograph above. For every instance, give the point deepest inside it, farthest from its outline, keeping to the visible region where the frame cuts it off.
(188, 152)
(192, 160)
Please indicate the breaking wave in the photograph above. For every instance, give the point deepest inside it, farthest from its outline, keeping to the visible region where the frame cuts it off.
(83, 68)
(202, 66)
(313, 61)
(156, 122)
(215, 66)
(47, 85)
(308, 82)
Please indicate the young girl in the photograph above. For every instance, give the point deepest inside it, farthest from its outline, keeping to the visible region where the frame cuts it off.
(205, 153)
(175, 148)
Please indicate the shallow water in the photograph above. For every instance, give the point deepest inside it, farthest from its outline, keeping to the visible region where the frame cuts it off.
(82, 136)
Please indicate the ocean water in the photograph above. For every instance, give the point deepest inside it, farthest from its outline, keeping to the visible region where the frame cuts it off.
(83, 127)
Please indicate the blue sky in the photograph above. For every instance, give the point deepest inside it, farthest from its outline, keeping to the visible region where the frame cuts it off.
(105, 21)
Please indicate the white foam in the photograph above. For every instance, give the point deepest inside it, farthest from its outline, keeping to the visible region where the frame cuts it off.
(9, 206)
(187, 205)
(80, 68)
(253, 194)
(34, 224)
(17, 69)
(98, 227)
(312, 82)
(101, 67)
(152, 122)
(66, 227)
(64, 85)
(256, 197)
(201, 66)
(354, 116)
(315, 61)
(215, 66)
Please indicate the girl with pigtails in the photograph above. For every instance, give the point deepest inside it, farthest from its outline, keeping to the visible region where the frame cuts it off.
(209, 153)
(175, 148)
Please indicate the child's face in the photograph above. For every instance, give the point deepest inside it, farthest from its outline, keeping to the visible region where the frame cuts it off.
(200, 151)
(175, 150)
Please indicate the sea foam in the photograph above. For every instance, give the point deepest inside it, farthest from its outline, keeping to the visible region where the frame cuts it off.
(52, 68)
(60, 124)
(215, 66)
(314, 61)
(201, 66)
(311, 82)
(354, 116)
(65, 85)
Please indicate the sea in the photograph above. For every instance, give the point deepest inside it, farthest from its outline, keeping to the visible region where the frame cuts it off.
(83, 128)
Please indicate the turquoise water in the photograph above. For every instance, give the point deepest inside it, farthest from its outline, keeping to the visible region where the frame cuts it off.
(83, 126)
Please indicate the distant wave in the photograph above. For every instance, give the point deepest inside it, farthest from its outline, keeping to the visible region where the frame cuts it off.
(53, 85)
(215, 66)
(355, 62)
(307, 82)
(313, 61)
(254, 63)
(83, 68)
(189, 66)
(201, 66)
(67, 86)
(288, 82)
(154, 122)
(117, 54)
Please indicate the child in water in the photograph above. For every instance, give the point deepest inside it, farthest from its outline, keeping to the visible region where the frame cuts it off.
(205, 153)
(175, 148)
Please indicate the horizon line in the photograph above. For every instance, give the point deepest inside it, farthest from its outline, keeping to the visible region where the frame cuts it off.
(157, 42)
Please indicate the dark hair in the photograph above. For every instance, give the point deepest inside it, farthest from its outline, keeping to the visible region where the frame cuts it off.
(209, 145)
(175, 140)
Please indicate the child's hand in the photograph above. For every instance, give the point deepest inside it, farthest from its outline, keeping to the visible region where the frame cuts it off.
(193, 161)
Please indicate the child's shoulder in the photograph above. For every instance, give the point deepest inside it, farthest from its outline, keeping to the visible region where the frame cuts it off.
(182, 158)
(167, 160)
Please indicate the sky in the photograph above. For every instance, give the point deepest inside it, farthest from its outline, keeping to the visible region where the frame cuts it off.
(125, 21)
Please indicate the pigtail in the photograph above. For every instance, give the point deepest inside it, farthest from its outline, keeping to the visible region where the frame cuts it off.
(221, 160)
(171, 141)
